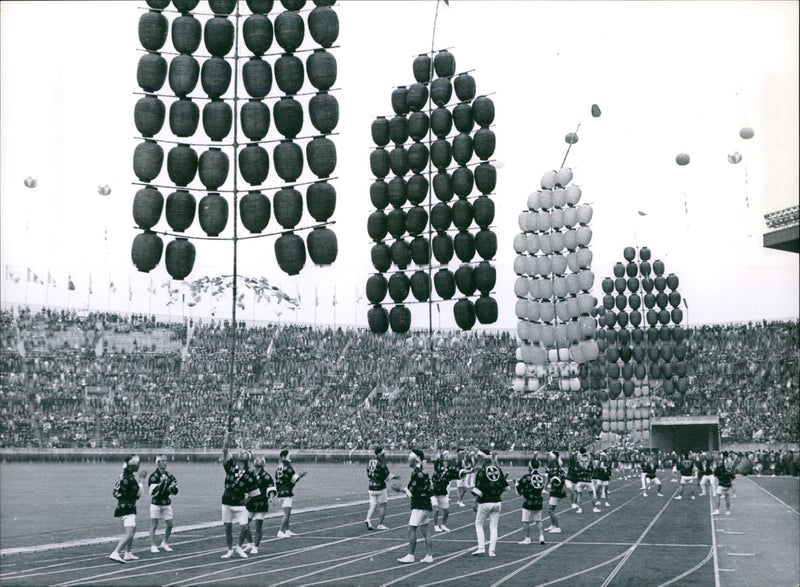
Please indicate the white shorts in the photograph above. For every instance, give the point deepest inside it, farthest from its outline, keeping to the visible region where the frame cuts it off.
(286, 502)
(128, 521)
(257, 515)
(685, 479)
(723, 490)
(234, 514)
(569, 484)
(470, 480)
(440, 501)
(707, 479)
(582, 486)
(160, 512)
(460, 483)
(531, 515)
(376, 496)
(554, 501)
(419, 518)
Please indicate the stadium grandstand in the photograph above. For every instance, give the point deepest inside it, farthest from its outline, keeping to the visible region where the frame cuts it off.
(784, 229)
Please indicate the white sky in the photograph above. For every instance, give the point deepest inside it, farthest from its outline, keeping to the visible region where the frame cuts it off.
(670, 77)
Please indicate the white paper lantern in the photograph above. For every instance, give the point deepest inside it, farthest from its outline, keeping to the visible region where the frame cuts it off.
(585, 279)
(563, 176)
(520, 284)
(572, 194)
(559, 197)
(522, 220)
(521, 243)
(546, 199)
(533, 287)
(570, 239)
(534, 202)
(545, 245)
(547, 312)
(574, 336)
(544, 265)
(558, 264)
(557, 218)
(585, 213)
(548, 180)
(561, 340)
(570, 216)
(584, 235)
(543, 221)
(545, 289)
(557, 241)
(520, 266)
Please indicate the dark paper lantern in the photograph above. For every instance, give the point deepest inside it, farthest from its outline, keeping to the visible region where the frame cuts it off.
(396, 222)
(290, 252)
(377, 287)
(255, 211)
(401, 253)
(293, 5)
(462, 148)
(379, 194)
(607, 285)
(149, 115)
(184, 6)
(483, 211)
(464, 313)
(660, 283)
(621, 302)
(571, 138)
(463, 180)
(217, 119)
(417, 157)
(398, 129)
(153, 29)
(629, 253)
(672, 281)
(441, 155)
(376, 225)
(380, 131)
(443, 186)
(182, 165)
(416, 220)
(486, 243)
(289, 73)
(674, 299)
(148, 157)
(323, 110)
(321, 156)
(676, 315)
(187, 32)
(442, 246)
(417, 189)
(257, 32)
(400, 101)
(418, 124)
(289, 31)
(222, 7)
(146, 251)
(213, 214)
(398, 160)
(255, 119)
(420, 250)
(483, 111)
(151, 72)
(398, 191)
(464, 245)
(633, 284)
(179, 258)
(180, 210)
(213, 167)
(441, 217)
(662, 299)
(485, 178)
(147, 205)
(441, 91)
(381, 256)
(257, 77)
(215, 76)
(462, 117)
(462, 214)
(444, 282)
(421, 67)
(218, 36)
(658, 267)
(417, 96)
(288, 207)
(288, 159)
(321, 200)
(323, 247)
(619, 269)
(288, 115)
(399, 287)
(485, 277)
(400, 319)
(486, 309)
(379, 162)
(184, 116)
(648, 284)
(378, 320)
(444, 63)
(254, 164)
(322, 69)
(484, 142)
(323, 26)
(464, 86)
(158, 4)
(441, 122)
(421, 286)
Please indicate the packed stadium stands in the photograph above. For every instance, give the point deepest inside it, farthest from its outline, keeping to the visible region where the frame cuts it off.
(74, 379)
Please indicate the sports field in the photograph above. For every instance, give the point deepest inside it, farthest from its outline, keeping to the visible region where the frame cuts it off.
(57, 529)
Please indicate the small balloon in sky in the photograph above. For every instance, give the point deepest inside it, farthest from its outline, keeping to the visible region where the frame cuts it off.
(571, 138)
(682, 159)
(104, 189)
(595, 110)
(746, 132)
(31, 182)
(734, 157)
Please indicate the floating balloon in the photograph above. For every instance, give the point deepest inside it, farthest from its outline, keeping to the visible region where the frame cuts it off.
(734, 157)
(104, 189)
(682, 159)
(31, 182)
(571, 138)
(746, 132)
(595, 110)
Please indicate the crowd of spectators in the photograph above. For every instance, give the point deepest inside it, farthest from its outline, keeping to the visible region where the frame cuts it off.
(106, 380)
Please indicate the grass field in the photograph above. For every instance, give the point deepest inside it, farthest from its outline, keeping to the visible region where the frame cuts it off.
(636, 541)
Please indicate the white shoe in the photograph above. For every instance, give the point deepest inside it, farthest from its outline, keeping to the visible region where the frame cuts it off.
(526, 541)
(165, 546)
(437, 529)
(154, 549)
(282, 534)
(679, 497)
(461, 504)
(728, 513)
(693, 497)
(644, 494)
(479, 552)
(289, 533)
(702, 494)
(228, 554)
(492, 554)
(715, 513)
(427, 559)
(579, 511)
(608, 505)
(238, 550)
(541, 539)
(574, 506)
(554, 530)
(115, 556)
(248, 546)
(409, 558)
(129, 556)
(444, 528)
(254, 550)
(596, 510)
(382, 527)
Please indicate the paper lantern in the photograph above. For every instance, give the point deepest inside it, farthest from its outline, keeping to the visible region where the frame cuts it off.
(483, 111)
(377, 287)
(181, 165)
(288, 114)
(180, 210)
(217, 119)
(153, 29)
(149, 114)
(746, 133)
(322, 69)
(441, 122)
(184, 116)
(483, 211)
(288, 159)
(400, 319)
(215, 76)
(465, 280)
(381, 256)
(254, 210)
(321, 200)
(289, 30)
(420, 250)
(218, 36)
(151, 72)
(462, 181)
(421, 68)
(682, 159)
(380, 131)
(323, 247)
(485, 176)
(401, 253)
(255, 119)
(443, 186)
(289, 73)
(464, 313)
(398, 191)
(441, 155)
(417, 96)
(290, 252)
(258, 33)
(147, 205)
(213, 214)
(288, 207)
(486, 309)
(146, 251)
(187, 33)
(441, 91)
(148, 157)
(398, 160)
(376, 225)
(485, 277)
(222, 7)
(464, 86)
(462, 118)
(445, 284)
(421, 286)
(486, 243)
(396, 222)
(484, 142)
(321, 156)
(418, 158)
(443, 249)
(378, 319)
(323, 26)
(179, 258)
(416, 220)
(399, 286)
(400, 101)
(571, 138)
(257, 77)
(254, 164)
(379, 162)
(462, 148)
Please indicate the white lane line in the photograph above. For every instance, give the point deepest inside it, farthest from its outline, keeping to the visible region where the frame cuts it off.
(690, 571)
(773, 496)
(583, 572)
(714, 545)
(740, 554)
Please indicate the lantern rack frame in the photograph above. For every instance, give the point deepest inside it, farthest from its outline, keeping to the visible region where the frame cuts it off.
(252, 188)
(241, 238)
(235, 98)
(199, 56)
(221, 144)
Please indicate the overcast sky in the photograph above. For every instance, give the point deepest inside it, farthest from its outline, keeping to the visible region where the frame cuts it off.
(670, 77)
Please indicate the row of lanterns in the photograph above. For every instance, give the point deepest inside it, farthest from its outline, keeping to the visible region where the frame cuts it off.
(212, 165)
(556, 311)
(400, 213)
